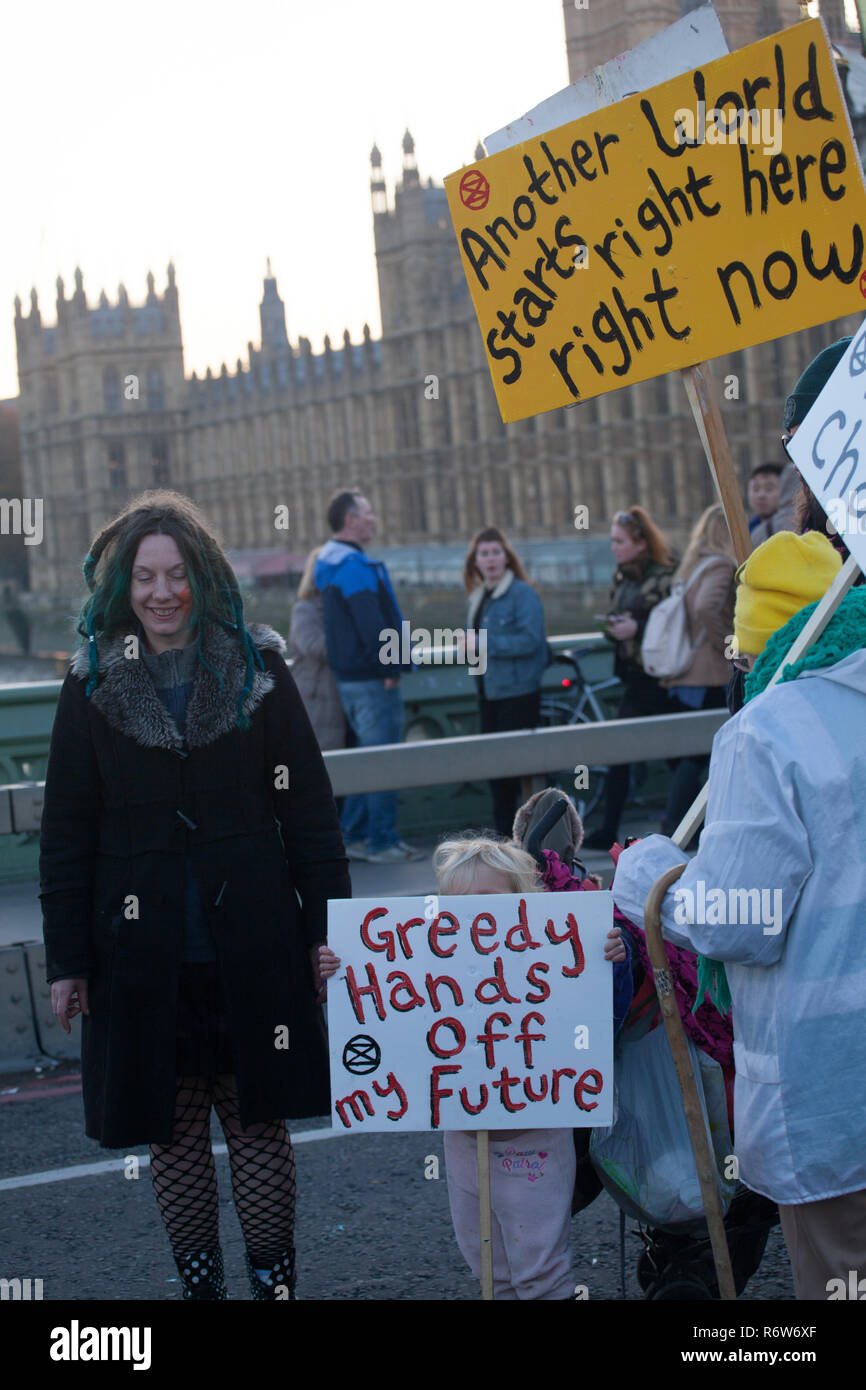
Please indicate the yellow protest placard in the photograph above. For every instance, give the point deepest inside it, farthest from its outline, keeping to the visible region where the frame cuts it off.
(723, 208)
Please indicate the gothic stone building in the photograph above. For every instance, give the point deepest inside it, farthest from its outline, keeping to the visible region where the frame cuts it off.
(106, 409)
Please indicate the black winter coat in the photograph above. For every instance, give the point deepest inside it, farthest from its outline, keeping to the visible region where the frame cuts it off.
(126, 801)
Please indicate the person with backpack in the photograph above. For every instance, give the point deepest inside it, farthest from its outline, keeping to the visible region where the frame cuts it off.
(641, 579)
(704, 586)
(773, 901)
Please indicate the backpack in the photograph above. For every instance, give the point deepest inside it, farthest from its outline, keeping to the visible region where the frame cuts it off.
(667, 648)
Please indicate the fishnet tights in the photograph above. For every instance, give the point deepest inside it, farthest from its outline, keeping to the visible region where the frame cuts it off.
(262, 1167)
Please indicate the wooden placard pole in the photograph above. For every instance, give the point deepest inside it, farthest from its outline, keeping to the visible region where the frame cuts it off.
(483, 1147)
(698, 382)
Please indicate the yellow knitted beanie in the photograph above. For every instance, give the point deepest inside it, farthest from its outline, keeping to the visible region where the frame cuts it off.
(777, 580)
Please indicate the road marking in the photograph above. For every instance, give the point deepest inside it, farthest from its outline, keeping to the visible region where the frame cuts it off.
(116, 1165)
(31, 1093)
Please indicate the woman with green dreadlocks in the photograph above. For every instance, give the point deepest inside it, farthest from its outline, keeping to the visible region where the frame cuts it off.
(187, 810)
(774, 901)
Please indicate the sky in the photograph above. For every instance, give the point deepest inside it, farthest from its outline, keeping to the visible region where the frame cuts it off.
(216, 135)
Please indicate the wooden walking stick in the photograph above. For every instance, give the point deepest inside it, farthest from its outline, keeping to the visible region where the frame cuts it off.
(483, 1147)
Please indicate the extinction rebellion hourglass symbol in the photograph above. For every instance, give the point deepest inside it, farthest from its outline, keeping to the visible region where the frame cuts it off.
(474, 190)
(361, 1055)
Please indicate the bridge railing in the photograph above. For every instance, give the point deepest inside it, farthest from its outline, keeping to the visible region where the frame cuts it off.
(527, 753)
(29, 1032)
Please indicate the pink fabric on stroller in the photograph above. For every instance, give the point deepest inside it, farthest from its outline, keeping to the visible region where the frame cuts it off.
(706, 1027)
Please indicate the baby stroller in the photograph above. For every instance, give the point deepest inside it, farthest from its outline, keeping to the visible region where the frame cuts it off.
(677, 1260)
(706, 1258)
(683, 1266)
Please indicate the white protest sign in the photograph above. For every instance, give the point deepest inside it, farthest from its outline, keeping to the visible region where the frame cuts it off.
(695, 39)
(471, 1012)
(829, 448)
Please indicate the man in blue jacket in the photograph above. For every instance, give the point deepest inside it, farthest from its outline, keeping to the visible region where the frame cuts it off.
(359, 605)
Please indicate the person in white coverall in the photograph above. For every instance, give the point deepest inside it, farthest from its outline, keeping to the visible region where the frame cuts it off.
(787, 816)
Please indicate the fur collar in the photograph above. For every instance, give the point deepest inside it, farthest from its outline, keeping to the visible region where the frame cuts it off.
(127, 698)
(477, 595)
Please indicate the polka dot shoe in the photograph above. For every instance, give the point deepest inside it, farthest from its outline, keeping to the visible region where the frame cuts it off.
(281, 1279)
(202, 1274)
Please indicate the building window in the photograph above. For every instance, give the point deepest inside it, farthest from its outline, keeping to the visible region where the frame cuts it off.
(155, 390)
(50, 394)
(111, 396)
(117, 466)
(159, 462)
(468, 426)
(408, 434)
(78, 478)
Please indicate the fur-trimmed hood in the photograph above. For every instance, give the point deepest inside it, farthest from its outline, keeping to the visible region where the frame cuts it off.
(126, 696)
(500, 588)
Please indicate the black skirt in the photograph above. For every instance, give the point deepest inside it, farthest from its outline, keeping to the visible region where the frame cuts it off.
(204, 1046)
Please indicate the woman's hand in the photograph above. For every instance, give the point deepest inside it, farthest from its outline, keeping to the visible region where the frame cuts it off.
(614, 947)
(622, 626)
(68, 998)
(325, 964)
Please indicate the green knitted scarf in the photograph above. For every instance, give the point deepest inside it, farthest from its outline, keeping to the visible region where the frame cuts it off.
(845, 633)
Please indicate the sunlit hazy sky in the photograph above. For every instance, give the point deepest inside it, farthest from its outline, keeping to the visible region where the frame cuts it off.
(216, 135)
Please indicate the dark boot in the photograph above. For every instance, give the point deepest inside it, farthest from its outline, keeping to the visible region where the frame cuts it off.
(281, 1283)
(201, 1274)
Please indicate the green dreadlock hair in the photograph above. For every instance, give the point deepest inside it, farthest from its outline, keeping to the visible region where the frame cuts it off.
(213, 585)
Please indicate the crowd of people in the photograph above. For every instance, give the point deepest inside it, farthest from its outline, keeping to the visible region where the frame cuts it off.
(345, 601)
(190, 784)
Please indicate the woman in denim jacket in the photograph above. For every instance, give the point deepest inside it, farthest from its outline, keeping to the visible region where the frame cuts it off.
(505, 623)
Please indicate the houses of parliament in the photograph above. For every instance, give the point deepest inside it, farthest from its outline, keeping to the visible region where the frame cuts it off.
(107, 410)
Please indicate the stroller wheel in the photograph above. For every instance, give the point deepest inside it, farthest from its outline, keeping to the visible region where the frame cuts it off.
(681, 1288)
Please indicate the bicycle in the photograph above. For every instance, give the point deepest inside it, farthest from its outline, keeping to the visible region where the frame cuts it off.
(558, 709)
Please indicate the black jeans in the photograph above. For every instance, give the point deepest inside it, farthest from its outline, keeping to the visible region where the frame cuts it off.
(689, 773)
(498, 717)
(642, 695)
